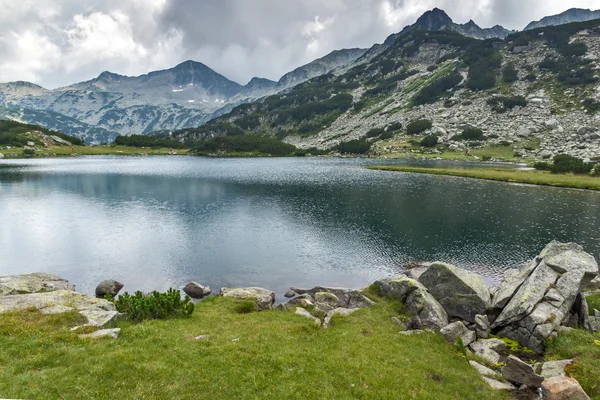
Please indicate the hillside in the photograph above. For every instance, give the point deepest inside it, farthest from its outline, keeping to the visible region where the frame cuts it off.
(534, 94)
(567, 17)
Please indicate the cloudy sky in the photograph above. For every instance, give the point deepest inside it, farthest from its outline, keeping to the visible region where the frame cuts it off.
(58, 42)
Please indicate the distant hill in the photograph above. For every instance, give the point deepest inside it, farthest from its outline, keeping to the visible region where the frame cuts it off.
(567, 17)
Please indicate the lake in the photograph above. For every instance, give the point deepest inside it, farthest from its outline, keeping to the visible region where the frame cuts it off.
(159, 222)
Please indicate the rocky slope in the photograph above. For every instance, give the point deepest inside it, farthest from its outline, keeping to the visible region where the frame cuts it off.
(567, 17)
(536, 94)
(111, 104)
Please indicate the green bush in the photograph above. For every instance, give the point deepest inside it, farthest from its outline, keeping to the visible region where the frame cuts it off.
(542, 166)
(429, 141)
(156, 305)
(510, 74)
(595, 171)
(531, 77)
(394, 127)
(375, 132)
(472, 133)
(14, 134)
(28, 152)
(355, 146)
(418, 126)
(514, 101)
(592, 106)
(387, 135)
(564, 164)
(432, 68)
(245, 306)
(437, 88)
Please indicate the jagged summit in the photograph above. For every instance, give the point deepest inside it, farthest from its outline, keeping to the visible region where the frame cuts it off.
(569, 16)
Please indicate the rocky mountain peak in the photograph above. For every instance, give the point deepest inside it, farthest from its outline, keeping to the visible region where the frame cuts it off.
(567, 17)
(433, 20)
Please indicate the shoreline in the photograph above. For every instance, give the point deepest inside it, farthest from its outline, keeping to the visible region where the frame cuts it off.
(533, 177)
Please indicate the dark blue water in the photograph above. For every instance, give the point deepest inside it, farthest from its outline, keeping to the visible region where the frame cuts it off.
(153, 222)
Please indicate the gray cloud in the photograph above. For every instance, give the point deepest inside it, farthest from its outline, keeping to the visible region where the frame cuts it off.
(58, 42)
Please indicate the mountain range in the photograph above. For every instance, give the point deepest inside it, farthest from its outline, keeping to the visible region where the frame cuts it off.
(191, 94)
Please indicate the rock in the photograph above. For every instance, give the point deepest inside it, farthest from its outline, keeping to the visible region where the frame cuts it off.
(483, 370)
(348, 298)
(488, 349)
(551, 123)
(546, 154)
(304, 313)
(32, 283)
(1, 156)
(56, 310)
(463, 294)
(61, 140)
(563, 388)
(415, 332)
(550, 369)
(289, 294)
(304, 300)
(517, 371)
(104, 333)
(513, 279)
(458, 330)
(100, 318)
(66, 298)
(594, 284)
(196, 290)
(30, 144)
(482, 326)
(417, 300)
(401, 323)
(415, 272)
(298, 290)
(264, 298)
(497, 385)
(542, 302)
(202, 337)
(108, 287)
(326, 301)
(524, 133)
(343, 312)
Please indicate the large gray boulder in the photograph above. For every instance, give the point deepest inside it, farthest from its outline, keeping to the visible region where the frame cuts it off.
(463, 294)
(264, 298)
(111, 287)
(458, 330)
(417, 300)
(517, 371)
(33, 283)
(196, 290)
(542, 302)
(563, 388)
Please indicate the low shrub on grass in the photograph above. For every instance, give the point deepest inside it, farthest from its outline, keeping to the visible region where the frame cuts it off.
(429, 141)
(595, 171)
(156, 305)
(28, 152)
(510, 74)
(542, 166)
(418, 126)
(375, 132)
(564, 164)
(355, 146)
(472, 134)
(245, 306)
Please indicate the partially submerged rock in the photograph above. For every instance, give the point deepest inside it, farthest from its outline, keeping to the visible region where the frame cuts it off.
(196, 290)
(463, 294)
(417, 300)
(264, 298)
(32, 283)
(110, 287)
(563, 388)
(517, 371)
(542, 302)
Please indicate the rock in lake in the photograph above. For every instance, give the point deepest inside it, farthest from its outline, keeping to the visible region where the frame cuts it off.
(32, 283)
(417, 300)
(542, 302)
(516, 371)
(264, 298)
(290, 293)
(563, 388)
(196, 290)
(458, 330)
(108, 287)
(463, 294)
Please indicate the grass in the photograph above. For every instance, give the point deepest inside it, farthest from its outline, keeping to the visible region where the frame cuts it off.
(543, 178)
(593, 303)
(581, 346)
(263, 355)
(93, 151)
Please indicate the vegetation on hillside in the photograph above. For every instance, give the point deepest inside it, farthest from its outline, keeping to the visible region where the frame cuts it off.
(245, 144)
(15, 134)
(147, 141)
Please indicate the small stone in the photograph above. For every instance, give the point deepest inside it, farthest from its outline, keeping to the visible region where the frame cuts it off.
(56, 310)
(517, 371)
(550, 369)
(563, 388)
(483, 370)
(497, 385)
(343, 312)
(400, 322)
(304, 313)
(202, 337)
(110, 287)
(298, 290)
(482, 326)
(488, 350)
(100, 318)
(457, 330)
(104, 333)
(415, 332)
(290, 294)
(196, 290)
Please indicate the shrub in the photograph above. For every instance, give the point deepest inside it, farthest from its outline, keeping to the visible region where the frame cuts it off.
(418, 126)
(375, 132)
(510, 74)
(592, 106)
(429, 141)
(542, 166)
(472, 133)
(515, 101)
(245, 306)
(355, 146)
(531, 77)
(28, 152)
(437, 88)
(394, 127)
(153, 306)
(432, 68)
(595, 171)
(564, 164)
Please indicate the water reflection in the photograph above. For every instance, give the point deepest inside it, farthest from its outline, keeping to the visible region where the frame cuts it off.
(155, 223)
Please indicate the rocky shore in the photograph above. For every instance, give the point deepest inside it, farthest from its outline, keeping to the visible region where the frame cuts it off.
(532, 305)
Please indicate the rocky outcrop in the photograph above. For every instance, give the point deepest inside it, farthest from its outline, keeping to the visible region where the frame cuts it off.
(516, 371)
(264, 298)
(348, 298)
(463, 294)
(110, 287)
(482, 326)
(563, 388)
(543, 300)
(196, 290)
(32, 283)
(489, 350)
(417, 300)
(457, 330)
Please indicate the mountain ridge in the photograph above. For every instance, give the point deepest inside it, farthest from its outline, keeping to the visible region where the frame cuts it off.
(566, 17)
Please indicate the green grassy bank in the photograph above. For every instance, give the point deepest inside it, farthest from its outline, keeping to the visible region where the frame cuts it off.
(265, 355)
(544, 178)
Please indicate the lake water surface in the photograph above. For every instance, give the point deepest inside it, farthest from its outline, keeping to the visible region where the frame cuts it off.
(159, 222)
